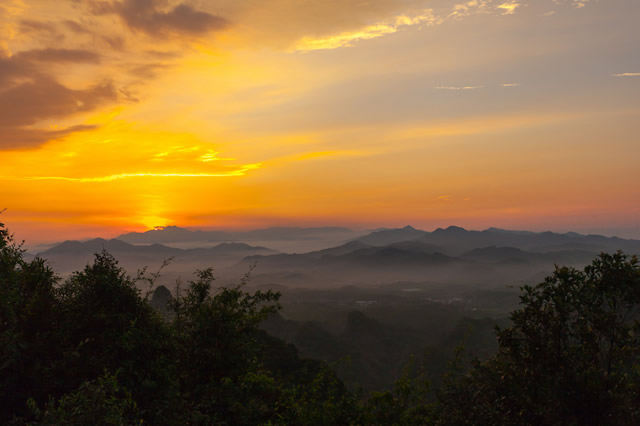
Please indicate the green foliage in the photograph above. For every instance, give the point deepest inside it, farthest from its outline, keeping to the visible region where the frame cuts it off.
(408, 402)
(318, 397)
(99, 402)
(218, 352)
(28, 319)
(216, 333)
(571, 356)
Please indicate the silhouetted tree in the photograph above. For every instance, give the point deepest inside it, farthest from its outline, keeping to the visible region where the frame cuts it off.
(572, 355)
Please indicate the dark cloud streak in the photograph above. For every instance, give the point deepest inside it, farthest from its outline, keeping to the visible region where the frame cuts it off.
(76, 27)
(60, 55)
(148, 71)
(29, 95)
(29, 26)
(21, 138)
(144, 16)
(41, 99)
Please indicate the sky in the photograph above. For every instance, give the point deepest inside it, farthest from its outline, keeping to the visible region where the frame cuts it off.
(123, 115)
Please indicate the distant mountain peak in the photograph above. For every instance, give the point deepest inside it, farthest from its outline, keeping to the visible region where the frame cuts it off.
(494, 229)
(450, 229)
(390, 236)
(167, 228)
(507, 231)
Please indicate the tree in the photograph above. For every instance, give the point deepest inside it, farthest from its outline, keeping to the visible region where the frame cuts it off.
(572, 355)
(219, 362)
(105, 324)
(97, 402)
(28, 319)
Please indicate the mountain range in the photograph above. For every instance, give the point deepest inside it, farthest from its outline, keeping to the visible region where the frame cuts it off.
(73, 255)
(169, 234)
(452, 254)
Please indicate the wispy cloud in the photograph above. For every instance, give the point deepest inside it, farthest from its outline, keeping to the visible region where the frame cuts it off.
(511, 84)
(458, 87)
(110, 178)
(508, 8)
(578, 4)
(426, 17)
(627, 74)
(380, 29)
(470, 7)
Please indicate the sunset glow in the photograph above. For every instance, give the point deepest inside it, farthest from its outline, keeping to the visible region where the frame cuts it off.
(124, 115)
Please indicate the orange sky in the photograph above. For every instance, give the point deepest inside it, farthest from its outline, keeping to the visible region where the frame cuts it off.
(120, 115)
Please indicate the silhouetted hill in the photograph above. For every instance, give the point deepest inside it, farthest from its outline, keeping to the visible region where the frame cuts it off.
(97, 245)
(173, 234)
(498, 254)
(391, 236)
(447, 255)
(459, 240)
(340, 250)
(72, 255)
(392, 255)
(455, 240)
(117, 247)
(357, 253)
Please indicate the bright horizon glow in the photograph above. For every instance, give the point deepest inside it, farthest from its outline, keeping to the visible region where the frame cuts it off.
(493, 113)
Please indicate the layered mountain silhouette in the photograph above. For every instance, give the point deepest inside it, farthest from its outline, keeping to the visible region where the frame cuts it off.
(72, 255)
(391, 236)
(458, 240)
(173, 234)
(118, 247)
(284, 239)
(449, 255)
(453, 255)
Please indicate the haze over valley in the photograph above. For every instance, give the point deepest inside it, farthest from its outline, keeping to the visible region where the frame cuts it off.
(452, 262)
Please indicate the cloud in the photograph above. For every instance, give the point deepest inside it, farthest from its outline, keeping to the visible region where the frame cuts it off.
(110, 178)
(28, 26)
(21, 138)
(458, 87)
(41, 99)
(470, 7)
(145, 16)
(76, 27)
(578, 4)
(28, 96)
(446, 11)
(366, 33)
(147, 71)
(627, 74)
(508, 8)
(60, 55)
(510, 84)
(39, 84)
